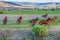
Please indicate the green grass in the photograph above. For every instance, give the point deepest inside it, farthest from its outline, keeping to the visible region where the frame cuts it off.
(13, 24)
(24, 24)
(30, 12)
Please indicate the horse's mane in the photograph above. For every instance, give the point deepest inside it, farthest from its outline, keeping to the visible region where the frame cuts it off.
(48, 19)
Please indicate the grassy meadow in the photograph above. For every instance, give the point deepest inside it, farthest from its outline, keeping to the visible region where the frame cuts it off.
(25, 23)
(24, 29)
(30, 11)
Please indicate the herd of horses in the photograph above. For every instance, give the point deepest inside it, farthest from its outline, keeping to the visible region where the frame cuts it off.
(33, 22)
(45, 21)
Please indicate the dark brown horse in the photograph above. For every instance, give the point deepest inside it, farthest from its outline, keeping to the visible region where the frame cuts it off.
(19, 20)
(33, 21)
(45, 15)
(45, 22)
(5, 20)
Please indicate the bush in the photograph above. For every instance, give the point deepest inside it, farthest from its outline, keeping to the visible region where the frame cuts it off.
(39, 31)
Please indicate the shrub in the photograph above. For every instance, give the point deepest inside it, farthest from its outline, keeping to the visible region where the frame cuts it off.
(39, 31)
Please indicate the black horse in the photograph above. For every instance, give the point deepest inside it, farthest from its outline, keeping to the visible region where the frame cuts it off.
(45, 15)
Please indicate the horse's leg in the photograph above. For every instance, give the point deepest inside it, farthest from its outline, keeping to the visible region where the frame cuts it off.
(45, 24)
(48, 26)
(33, 24)
(19, 22)
(39, 23)
(45, 16)
(3, 23)
(30, 24)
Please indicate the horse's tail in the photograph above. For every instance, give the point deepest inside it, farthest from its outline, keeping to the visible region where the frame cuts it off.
(39, 22)
(4, 21)
(30, 21)
(33, 24)
(42, 15)
(16, 21)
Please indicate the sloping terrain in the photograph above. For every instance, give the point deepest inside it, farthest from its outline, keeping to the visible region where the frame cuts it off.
(8, 4)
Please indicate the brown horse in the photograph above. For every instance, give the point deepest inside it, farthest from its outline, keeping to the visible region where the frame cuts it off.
(19, 20)
(45, 22)
(45, 16)
(54, 18)
(33, 21)
(5, 20)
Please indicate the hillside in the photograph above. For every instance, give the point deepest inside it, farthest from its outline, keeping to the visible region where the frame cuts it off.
(8, 4)
(29, 4)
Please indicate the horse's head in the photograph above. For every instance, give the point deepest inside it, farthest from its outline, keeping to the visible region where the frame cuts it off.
(6, 17)
(55, 17)
(45, 15)
(37, 18)
(20, 17)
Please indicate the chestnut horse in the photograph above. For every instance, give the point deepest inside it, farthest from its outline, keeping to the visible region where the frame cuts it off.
(54, 18)
(19, 20)
(33, 21)
(45, 16)
(45, 22)
(5, 20)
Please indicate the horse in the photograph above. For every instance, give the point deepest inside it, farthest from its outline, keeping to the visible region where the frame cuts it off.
(19, 20)
(54, 18)
(45, 22)
(45, 16)
(5, 20)
(33, 21)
